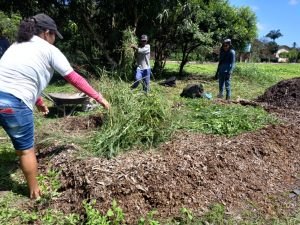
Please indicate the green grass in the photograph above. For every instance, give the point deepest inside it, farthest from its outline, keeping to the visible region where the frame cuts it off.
(210, 118)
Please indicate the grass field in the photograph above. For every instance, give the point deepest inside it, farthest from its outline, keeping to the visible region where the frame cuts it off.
(157, 116)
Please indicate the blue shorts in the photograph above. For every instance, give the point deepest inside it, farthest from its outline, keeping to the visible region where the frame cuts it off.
(17, 120)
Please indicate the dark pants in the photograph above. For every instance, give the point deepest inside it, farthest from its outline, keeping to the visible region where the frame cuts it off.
(224, 80)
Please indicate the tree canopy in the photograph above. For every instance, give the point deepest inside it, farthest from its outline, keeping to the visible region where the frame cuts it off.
(274, 34)
(94, 30)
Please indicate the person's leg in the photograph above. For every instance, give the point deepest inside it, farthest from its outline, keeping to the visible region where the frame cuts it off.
(17, 120)
(227, 87)
(221, 85)
(146, 80)
(29, 167)
(138, 77)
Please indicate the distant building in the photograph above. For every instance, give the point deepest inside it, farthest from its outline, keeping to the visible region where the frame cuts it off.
(280, 50)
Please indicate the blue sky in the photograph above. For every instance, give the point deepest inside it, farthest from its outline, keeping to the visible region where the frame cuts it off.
(276, 14)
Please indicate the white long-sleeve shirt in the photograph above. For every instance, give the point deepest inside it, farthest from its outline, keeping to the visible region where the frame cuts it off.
(143, 57)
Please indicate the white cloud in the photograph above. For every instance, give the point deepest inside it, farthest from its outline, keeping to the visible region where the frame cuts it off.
(293, 2)
(256, 8)
(260, 26)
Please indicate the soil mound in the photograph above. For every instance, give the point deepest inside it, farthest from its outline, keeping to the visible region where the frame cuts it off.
(192, 171)
(284, 94)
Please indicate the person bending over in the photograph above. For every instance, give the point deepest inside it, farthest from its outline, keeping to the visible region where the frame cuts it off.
(25, 70)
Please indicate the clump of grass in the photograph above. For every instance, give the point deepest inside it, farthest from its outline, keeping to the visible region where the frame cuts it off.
(136, 119)
(128, 58)
(226, 120)
(252, 73)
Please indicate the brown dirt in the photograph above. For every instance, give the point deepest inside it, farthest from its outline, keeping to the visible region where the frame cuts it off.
(252, 171)
(285, 94)
(192, 171)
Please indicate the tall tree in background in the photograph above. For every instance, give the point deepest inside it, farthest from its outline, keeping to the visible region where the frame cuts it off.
(274, 34)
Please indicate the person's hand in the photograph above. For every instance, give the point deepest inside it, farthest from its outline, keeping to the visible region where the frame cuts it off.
(104, 103)
(133, 46)
(43, 108)
(35, 194)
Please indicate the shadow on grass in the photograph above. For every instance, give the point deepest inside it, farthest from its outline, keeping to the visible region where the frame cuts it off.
(8, 168)
(187, 76)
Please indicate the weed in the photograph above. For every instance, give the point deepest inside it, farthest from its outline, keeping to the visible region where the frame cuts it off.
(149, 220)
(49, 184)
(114, 216)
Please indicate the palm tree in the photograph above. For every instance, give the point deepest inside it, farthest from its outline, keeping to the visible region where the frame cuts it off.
(274, 34)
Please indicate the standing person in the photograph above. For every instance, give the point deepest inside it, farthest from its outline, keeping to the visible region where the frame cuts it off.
(143, 70)
(25, 70)
(225, 68)
(4, 43)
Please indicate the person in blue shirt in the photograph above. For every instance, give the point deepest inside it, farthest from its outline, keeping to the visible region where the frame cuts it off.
(225, 68)
(4, 43)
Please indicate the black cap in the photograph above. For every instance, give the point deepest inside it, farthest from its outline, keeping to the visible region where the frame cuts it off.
(144, 37)
(47, 22)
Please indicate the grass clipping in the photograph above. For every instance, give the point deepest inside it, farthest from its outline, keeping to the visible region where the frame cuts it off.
(128, 54)
(136, 119)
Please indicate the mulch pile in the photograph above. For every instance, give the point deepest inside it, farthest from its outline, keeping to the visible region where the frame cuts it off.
(252, 171)
(285, 94)
(192, 171)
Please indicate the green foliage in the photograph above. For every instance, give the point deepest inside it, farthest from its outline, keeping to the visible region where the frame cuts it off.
(239, 24)
(53, 217)
(128, 54)
(114, 215)
(9, 25)
(216, 215)
(10, 213)
(293, 55)
(228, 120)
(274, 34)
(136, 119)
(253, 74)
(149, 220)
(49, 184)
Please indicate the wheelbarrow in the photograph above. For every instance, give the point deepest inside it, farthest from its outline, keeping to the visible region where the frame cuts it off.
(62, 100)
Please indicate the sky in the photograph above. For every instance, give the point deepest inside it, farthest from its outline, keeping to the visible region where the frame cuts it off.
(283, 15)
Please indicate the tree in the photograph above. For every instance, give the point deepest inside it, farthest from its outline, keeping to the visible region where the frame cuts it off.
(293, 55)
(192, 31)
(9, 25)
(206, 23)
(274, 34)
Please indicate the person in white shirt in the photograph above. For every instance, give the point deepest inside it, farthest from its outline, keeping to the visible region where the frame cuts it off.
(143, 70)
(25, 70)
